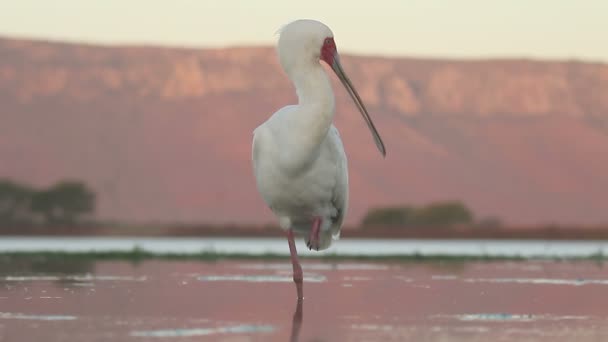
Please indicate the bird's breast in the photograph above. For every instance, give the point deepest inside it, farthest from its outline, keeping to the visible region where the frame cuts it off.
(304, 192)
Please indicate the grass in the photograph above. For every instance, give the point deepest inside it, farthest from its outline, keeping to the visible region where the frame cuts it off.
(138, 254)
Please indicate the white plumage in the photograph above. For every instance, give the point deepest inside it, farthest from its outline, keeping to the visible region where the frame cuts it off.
(298, 189)
(298, 158)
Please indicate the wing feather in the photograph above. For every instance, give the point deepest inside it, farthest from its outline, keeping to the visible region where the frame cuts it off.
(340, 193)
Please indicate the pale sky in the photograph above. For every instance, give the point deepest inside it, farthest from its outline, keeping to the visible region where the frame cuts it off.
(561, 29)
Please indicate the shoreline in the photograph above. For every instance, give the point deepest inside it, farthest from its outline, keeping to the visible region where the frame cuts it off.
(137, 255)
(263, 248)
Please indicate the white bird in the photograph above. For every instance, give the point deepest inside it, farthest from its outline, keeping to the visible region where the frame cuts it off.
(298, 158)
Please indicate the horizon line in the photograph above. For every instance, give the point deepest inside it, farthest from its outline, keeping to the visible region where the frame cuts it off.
(266, 45)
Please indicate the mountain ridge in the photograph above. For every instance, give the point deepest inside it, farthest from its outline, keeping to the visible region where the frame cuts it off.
(151, 129)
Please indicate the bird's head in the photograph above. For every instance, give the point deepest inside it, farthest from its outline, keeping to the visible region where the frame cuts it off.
(306, 41)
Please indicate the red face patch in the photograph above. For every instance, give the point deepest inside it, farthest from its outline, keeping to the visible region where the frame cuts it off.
(328, 50)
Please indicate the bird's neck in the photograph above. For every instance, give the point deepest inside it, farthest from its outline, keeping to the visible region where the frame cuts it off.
(315, 99)
(314, 88)
(310, 123)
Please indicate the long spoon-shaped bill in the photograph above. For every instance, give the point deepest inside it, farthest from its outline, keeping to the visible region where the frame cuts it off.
(337, 68)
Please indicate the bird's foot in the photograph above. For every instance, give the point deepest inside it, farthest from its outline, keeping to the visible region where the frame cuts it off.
(312, 244)
(314, 241)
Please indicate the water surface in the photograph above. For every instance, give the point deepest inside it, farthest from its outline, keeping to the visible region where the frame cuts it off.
(241, 300)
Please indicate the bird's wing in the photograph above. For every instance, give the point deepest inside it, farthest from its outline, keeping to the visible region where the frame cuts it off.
(340, 193)
(255, 147)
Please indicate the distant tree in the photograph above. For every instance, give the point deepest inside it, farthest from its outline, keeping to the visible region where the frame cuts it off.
(443, 214)
(390, 216)
(14, 203)
(435, 214)
(63, 203)
(387, 216)
(490, 222)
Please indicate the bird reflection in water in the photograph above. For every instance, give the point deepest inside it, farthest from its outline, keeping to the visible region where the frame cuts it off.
(297, 321)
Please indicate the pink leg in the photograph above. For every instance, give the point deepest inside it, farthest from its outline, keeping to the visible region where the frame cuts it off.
(298, 277)
(313, 240)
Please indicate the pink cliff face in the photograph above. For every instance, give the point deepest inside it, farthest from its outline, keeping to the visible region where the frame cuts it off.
(165, 134)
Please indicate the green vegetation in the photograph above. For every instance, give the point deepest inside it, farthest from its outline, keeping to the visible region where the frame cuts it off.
(65, 203)
(435, 214)
(14, 203)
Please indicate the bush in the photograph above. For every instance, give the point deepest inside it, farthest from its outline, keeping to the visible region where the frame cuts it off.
(63, 203)
(443, 214)
(490, 222)
(435, 214)
(388, 216)
(14, 203)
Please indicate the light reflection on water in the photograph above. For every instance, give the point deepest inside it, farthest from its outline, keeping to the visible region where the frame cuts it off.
(351, 301)
(261, 278)
(12, 315)
(239, 329)
(345, 246)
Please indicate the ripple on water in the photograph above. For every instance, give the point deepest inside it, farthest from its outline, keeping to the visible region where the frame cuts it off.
(317, 267)
(13, 315)
(543, 281)
(507, 317)
(261, 278)
(237, 329)
(77, 278)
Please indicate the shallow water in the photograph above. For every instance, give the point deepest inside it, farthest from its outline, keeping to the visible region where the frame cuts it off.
(41, 300)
